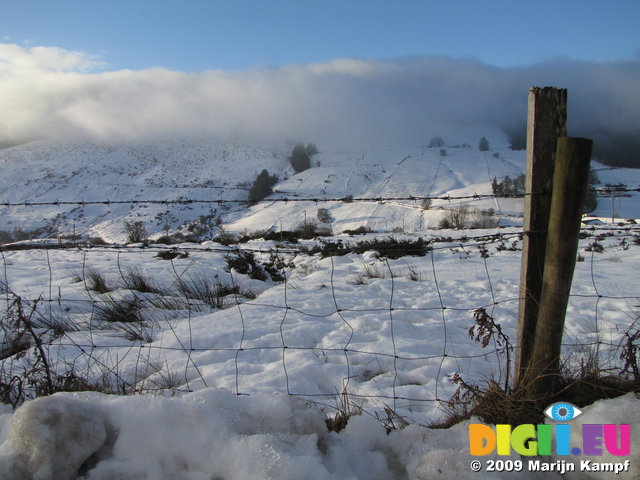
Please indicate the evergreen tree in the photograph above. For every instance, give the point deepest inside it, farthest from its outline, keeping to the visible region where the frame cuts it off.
(299, 158)
(483, 145)
(261, 187)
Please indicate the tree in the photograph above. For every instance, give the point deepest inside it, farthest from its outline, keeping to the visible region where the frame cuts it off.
(135, 231)
(312, 149)
(299, 158)
(483, 145)
(436, 142)
(261, 187)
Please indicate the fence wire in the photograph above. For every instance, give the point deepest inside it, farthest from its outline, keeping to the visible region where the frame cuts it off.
(387, 331)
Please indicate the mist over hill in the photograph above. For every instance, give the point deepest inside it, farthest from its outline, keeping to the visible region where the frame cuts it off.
(56, 94)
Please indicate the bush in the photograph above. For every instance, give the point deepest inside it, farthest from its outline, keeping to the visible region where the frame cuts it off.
(171, 254)
(361, 230)
(171, 239)
(135, 231)
(246, 263)
(390, 248)
(324, 216)
(483, 144)
(97, 241)
(483, 218)
(261, 187)
(455, 217)
(310, 230)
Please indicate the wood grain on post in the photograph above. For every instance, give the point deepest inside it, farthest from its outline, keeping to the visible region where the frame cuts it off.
(547, 120)
(570, 180)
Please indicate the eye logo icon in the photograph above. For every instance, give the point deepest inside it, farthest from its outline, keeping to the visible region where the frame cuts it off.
(562, 412)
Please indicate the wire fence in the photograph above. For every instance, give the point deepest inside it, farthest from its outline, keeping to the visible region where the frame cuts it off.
(380, 327)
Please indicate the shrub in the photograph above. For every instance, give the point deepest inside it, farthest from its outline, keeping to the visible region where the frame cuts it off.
(97, 241)
(225, 238)
(390, 248)
(171, 254)
(261, 187)
(246, 263)
(135, 231)
(455, 217)
(483, 218)
(171, 239)
(324, 216)
(361, 230)
(310, 230)
(483, 144)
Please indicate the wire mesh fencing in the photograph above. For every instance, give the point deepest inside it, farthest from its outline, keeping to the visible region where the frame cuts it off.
(382, 323)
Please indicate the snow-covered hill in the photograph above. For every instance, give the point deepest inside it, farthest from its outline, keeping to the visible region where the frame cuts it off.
(130, 181)
(211, 171)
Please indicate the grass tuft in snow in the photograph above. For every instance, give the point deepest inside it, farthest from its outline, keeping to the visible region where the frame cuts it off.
(118, 310)
(344, 410)
(136, 279)
(96, 281)
(209, 290)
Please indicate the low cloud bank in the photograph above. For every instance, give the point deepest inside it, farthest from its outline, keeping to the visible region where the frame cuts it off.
(49, 92)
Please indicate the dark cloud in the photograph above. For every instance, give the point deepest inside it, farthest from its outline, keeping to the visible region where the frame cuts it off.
(398, 102)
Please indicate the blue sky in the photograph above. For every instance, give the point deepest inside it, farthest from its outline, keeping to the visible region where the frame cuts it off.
(199, 35)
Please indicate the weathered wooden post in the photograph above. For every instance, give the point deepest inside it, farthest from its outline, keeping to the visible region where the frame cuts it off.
(547, 119)
(570, 179)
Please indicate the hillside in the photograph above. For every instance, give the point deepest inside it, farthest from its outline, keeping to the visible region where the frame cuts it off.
(212, 171)
(205, 184)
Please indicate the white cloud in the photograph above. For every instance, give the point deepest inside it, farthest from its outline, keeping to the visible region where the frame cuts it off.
(47, 91)
(17, 60)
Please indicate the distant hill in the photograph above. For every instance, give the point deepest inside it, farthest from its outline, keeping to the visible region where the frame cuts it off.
(211, 179)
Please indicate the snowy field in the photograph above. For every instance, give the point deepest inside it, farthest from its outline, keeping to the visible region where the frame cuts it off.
(266, 371)
(230, 371)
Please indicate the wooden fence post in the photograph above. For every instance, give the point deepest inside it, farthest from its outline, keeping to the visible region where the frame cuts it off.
(547, 118)
(570, 180)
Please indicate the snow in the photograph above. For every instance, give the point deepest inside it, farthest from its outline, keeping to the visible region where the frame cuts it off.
(242, 392)
(215, 434)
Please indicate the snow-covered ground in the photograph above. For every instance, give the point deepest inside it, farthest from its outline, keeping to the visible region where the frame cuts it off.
(243, 391)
